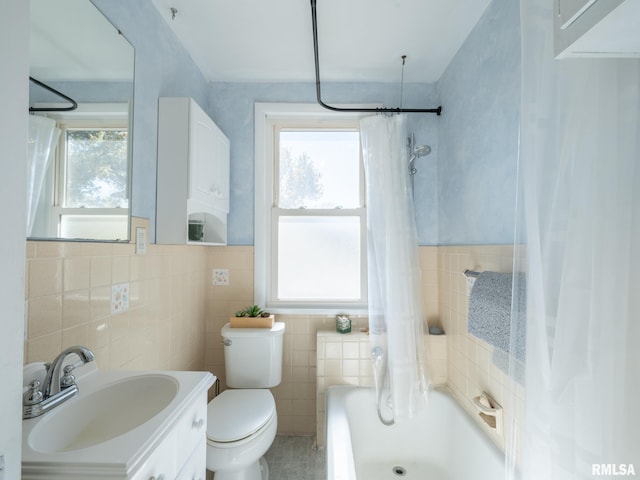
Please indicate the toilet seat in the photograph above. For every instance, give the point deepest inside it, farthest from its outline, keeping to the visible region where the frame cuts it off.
(237, 414)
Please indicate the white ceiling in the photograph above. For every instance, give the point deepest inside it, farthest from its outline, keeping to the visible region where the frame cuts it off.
(359, 40)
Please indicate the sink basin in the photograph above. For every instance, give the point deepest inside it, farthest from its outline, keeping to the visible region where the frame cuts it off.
(103, 414)
(120, 425)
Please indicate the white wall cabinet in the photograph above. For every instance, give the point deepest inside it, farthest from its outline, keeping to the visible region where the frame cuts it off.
(597, 28)
(193, 175)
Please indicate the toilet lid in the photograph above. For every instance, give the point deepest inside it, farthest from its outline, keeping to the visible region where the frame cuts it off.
(236, 414)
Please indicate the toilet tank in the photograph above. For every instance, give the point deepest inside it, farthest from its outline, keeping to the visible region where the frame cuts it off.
(253, 356)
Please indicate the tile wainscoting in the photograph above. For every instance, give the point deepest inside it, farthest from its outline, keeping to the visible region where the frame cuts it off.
(69, 288)
(176, 312)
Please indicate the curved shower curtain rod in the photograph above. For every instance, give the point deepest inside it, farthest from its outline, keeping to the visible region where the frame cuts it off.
(314, 22)
(73, 103)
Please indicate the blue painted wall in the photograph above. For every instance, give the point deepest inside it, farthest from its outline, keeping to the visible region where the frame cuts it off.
(464, 190)
(478, 134)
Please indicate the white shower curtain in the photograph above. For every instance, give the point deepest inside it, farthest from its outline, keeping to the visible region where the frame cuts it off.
(43, 136)
(395, 317)
(580, 179)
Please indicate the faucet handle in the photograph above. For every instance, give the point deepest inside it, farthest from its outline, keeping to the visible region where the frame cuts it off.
(34, 395)
(68, 379)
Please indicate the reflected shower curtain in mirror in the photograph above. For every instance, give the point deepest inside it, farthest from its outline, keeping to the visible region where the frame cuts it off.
(580, 175)
(43, 137)
(395, 313)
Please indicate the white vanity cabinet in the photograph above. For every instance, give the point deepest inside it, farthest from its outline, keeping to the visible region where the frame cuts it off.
(597, 28)
(192, 177)
(162, 436)
(182, 452)
(162, 464)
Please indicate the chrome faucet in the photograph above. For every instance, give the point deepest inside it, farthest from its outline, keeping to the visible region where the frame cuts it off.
(53, 382)
(59, 383)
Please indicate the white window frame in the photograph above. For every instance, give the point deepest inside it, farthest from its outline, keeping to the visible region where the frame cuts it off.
(267, 116)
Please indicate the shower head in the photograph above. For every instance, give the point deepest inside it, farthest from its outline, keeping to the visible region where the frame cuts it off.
(415, 151)
(418, 151)
(421, 150)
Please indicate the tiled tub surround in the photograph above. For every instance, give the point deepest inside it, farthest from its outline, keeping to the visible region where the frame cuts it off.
(345, 359)
(470, 367)
(457, 359)
(342, 359)
(176, 313)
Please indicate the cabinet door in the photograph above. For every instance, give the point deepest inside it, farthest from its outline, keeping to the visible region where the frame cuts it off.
(195, 466)
(162, 464)
(201, 155)
(221, 171)
(208, 162)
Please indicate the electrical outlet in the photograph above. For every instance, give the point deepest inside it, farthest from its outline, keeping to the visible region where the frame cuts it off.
(220, 277)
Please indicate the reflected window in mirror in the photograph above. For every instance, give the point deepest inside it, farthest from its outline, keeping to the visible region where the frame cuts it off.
(91, 198)
(86, 188)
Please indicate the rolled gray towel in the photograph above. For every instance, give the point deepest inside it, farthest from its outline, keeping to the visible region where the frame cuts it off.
(490, 311)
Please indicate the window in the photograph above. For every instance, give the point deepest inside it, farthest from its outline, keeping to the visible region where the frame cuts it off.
(310, 215)
(95, 168)
(91, 187)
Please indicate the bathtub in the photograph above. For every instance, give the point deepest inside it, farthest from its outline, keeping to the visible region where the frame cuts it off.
(444, 443)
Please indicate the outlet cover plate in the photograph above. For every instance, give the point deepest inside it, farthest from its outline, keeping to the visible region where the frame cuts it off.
(141, 240)
(119, 298)
(221, 277)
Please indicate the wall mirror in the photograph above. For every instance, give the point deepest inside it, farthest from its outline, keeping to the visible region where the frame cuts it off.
(79, 158)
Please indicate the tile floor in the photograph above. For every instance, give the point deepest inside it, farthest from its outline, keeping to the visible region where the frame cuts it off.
(294, 458)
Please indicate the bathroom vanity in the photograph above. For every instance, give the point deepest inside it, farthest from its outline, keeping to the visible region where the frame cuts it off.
(122, 425)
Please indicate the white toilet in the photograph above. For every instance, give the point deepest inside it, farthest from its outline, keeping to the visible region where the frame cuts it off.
(242, 421)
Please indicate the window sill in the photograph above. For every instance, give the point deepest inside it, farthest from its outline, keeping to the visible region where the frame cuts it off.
(320, 311)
